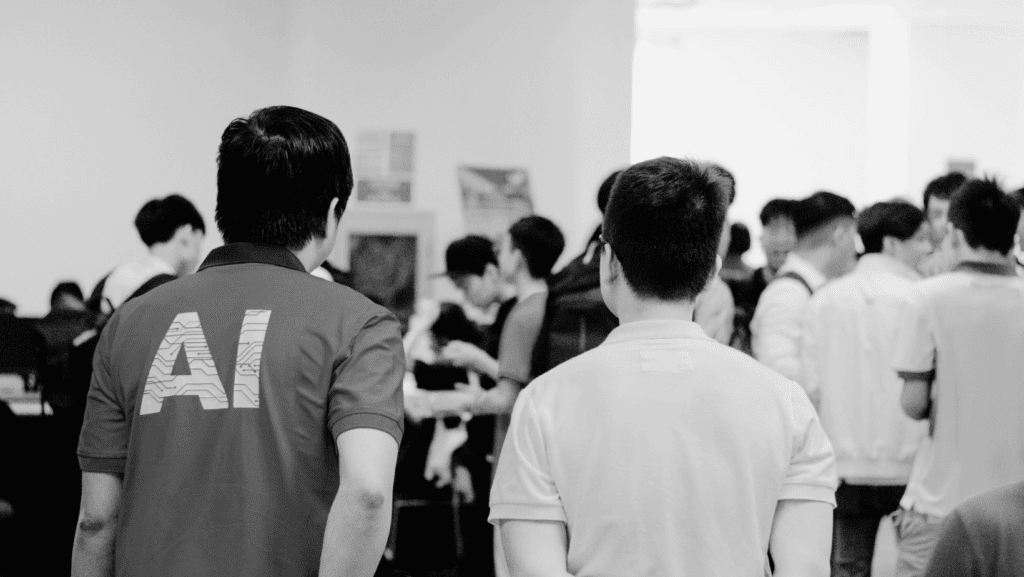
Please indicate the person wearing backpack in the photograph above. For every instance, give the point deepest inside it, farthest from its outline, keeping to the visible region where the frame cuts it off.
(825, 248)
(575, 316)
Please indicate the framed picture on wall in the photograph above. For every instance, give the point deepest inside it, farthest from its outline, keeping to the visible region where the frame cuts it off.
(388, 256)
(383, 168)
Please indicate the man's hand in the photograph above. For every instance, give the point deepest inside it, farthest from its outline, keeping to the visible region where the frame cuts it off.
(462, 484)
(417, 405)
(463, 355)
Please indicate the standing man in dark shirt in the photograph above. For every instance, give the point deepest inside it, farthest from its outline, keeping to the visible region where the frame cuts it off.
(245, 420)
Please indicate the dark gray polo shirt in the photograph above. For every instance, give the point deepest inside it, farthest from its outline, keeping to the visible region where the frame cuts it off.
(219, 398)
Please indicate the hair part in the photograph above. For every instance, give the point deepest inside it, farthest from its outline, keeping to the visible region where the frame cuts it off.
(986, 215)
(540, 241)
(898, 219)
(159, 219)
(277, 172)
(664, 222)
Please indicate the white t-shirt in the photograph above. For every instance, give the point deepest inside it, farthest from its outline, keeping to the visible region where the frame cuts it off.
(127, 278)
(966, 328)
(664, 452)
(849, 342)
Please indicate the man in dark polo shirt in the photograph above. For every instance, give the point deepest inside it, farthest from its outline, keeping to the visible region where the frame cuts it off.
(245, 420)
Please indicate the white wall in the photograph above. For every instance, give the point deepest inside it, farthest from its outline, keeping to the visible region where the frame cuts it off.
(105, 105)
(967, 100)
(785, 111)
(541, 85)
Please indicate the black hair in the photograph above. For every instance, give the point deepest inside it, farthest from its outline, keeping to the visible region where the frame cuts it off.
(819, 210)
(540, 241)
(777, 208)
(66, 288)
(943, 187)
(7, 307)
(724, 173)
(160, 218)
(739, 239)
(664, 222)
(605, 191)
(987, 216)
(277, 172)
(1018, 195)
(898, 219)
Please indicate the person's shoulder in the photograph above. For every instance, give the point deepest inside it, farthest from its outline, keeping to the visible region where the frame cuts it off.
(994, 509)
(529, 310)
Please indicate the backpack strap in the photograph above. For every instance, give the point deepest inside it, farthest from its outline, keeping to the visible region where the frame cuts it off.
(797, 277)
(150, 285)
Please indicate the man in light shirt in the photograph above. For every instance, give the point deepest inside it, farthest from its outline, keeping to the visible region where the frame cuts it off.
(662, 452)
(849, 339)
(825, 248)
(173, 231)
(959, 352)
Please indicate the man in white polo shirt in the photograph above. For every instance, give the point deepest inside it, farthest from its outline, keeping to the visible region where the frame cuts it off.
(960, 353)
(662, 452)
(825, 249)
(849, 338)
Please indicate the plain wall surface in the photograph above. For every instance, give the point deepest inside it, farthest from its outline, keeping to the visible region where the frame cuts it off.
(784, 111)
(104, 106)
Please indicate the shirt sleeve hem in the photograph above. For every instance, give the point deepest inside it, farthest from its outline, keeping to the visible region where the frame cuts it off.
(917, 375)
(377, 421)
(521, 512)
(114, 465)
(805, 492)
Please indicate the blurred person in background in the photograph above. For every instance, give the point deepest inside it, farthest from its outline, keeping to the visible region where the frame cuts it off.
(714, 309)
(825, 248)
(734, 270)
(849, 343)
(959, 354)
(937, 196)
(778, 237)
(173, 231)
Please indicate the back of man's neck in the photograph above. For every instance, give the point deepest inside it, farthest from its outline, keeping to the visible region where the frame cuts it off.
(650, 310)
(163, 253)
(813, 257)
(984, 256)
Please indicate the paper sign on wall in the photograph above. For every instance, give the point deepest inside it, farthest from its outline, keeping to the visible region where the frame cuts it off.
(493, 198)
(384, 166)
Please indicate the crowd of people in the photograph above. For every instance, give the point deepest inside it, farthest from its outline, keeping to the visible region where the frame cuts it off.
(655, 407)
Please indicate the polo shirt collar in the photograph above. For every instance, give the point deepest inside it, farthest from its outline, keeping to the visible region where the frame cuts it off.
(247, 252)
(648, 330)
(800, 265)
(987, 268)
(877, 262)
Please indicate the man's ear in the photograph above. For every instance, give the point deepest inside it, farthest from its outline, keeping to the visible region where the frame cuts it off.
(331, 228)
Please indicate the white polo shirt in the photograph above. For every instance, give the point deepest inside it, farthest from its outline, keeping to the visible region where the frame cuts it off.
(966, 328)
(777, 325)
(127, 278)
(849, 342)
(664, 452)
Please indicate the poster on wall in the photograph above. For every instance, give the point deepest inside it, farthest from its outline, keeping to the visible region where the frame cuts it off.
(384, 166)
(493, 198)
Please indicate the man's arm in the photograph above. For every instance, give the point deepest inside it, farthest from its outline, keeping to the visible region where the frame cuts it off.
(776, 334)
(916, 398)
(801, 539)
(93, 553)
(360, 518)
(495, 401)
(535, 548)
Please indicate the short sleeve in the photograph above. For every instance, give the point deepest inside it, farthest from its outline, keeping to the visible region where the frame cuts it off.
(812, 466)
(367, 388)
(103, 441)
(515, 351)
(915, 340)
(523, 486)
